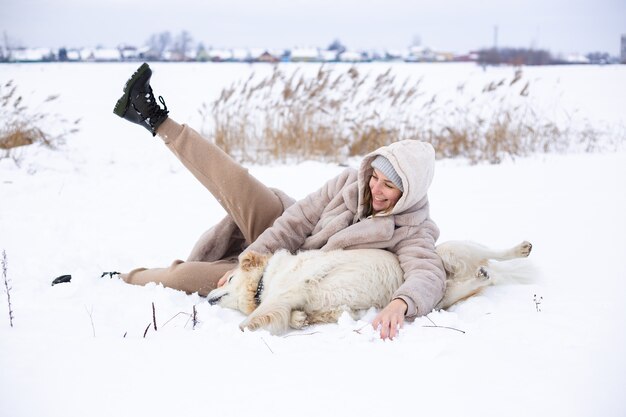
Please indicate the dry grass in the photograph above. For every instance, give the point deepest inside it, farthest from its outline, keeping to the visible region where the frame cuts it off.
(334, 115)
(20, 126)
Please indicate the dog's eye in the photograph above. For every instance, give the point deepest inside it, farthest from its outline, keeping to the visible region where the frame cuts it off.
(230, 278)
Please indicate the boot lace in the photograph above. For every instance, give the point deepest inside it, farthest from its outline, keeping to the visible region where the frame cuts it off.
(153, 111)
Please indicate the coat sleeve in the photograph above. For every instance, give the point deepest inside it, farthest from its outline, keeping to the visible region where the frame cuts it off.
(292, 228)
(425, 278)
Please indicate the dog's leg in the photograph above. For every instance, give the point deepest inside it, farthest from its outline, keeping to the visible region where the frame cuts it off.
(518, 251)
(469, 270)
(274, 317)
(461, 290)
(327, 316)
(453, 252)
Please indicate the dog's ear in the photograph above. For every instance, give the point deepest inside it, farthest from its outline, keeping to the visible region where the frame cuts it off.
(252, 260)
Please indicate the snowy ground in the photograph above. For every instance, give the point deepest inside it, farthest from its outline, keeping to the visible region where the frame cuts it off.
(114, 199)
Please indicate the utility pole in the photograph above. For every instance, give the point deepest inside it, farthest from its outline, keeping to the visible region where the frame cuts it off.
(495, 37)
(6, 53)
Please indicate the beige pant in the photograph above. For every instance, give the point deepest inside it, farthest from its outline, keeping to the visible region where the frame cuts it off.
(253, 207)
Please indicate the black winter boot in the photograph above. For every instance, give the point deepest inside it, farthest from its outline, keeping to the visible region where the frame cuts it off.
(138, 105)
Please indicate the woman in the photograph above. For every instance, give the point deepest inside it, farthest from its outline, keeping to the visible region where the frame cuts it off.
(382, 205)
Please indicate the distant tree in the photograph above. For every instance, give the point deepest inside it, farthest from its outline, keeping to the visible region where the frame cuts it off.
(201, 53)
(158, 43)
(599, 58)
(182, 45)
(62, 54)
(337, 46)
(514, 56)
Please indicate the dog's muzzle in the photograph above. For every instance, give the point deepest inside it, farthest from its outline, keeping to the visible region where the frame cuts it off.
(215, 300)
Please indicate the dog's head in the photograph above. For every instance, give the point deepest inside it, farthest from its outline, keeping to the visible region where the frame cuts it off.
(239, 291)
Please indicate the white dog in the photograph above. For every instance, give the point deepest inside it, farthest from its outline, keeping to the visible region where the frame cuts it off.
(283, 290)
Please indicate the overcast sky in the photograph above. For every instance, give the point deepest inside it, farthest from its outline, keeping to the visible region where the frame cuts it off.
(448, 25)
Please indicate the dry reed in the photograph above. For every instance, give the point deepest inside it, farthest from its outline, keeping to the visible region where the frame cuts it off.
(21, 126)
(334, 115)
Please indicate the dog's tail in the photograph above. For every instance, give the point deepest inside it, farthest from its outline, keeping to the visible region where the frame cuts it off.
(515, 271)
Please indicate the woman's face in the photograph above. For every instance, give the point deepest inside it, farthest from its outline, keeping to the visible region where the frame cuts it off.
(385, 195)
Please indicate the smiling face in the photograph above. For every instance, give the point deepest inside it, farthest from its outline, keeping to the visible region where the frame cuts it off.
(385, 194)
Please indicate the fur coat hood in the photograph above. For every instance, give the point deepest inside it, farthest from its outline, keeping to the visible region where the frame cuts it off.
(413, 161)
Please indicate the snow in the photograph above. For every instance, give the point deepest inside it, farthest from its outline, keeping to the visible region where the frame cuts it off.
(114, 198)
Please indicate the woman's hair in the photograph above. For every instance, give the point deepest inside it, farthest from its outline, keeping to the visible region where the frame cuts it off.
(367, 197)
(368, 210)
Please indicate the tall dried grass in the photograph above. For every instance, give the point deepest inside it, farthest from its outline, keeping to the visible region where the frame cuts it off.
(21, 126)
(337, 114)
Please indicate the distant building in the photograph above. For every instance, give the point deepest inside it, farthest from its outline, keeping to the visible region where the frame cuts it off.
(220, 55)
(351, 56)
(100, 54)
(129, 53)
(328, 55)
(624, 49)
(267, 57)
(418, 53)
(305, 55)
(240, 55)
(396, 54)
(31, 55)
(73, 55)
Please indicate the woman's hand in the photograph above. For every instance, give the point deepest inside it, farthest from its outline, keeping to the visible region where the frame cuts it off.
(390, 319)
(225, 277)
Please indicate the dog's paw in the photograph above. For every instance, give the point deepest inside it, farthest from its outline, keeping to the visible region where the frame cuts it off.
(298, 319)
(252, 325)
(243, 325)
(524, 249)
(482, 273)
(248, 324)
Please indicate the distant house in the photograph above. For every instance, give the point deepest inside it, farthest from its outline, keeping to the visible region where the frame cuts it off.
(469, 57)
(68, 55)
(179, 56)
(240, 55)
(420, 54)
(395, 54)
(328, 55)
(106, 55)
(100, 54)
(31, 55)
(267, 57)
(220, 55)
(305, 55)
(129, 53)
(576, 59)
(281, 54)
(352, 56)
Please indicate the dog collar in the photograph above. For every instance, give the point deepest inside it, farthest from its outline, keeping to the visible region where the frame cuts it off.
(259, 291)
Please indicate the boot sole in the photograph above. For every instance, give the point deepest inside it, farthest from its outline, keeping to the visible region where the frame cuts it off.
(122, 104)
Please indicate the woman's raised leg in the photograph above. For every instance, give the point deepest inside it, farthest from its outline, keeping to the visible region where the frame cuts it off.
(251, 204)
